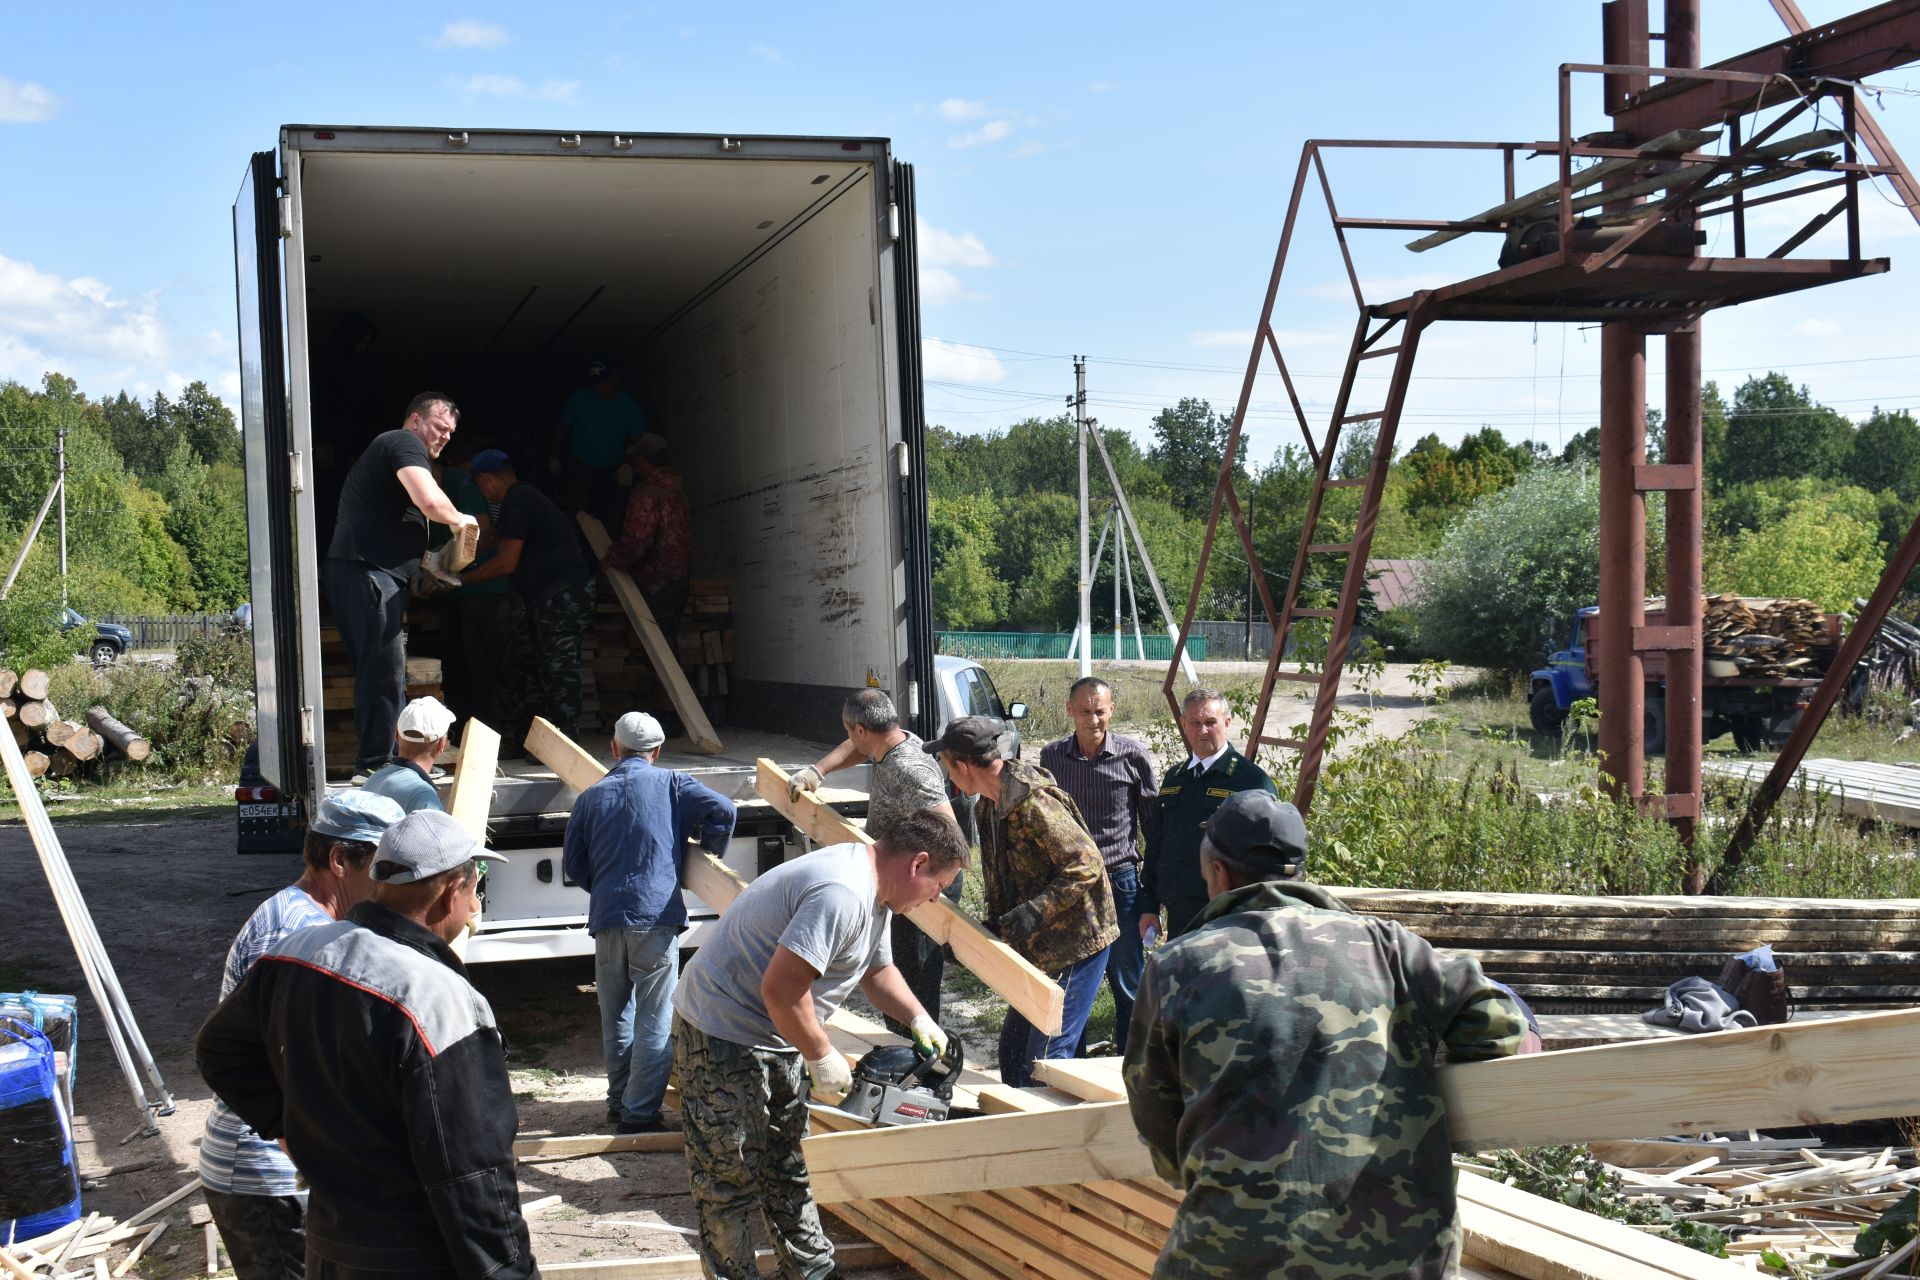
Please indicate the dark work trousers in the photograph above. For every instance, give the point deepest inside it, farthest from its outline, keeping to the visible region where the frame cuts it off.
(265, 1236)
(666, 605)
(473, 649)
(596, 491)
(370, 608)
(921, 961)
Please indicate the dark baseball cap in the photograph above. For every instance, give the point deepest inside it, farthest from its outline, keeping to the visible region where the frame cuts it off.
(1255, 829)
(599, 370)
(973, 738)
(489, 462)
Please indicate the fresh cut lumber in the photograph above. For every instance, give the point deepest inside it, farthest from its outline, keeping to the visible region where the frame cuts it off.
(666, 664)
(1847, 1069)
(33, 685)
(1011, 975)
(471, 797)
(117, 735)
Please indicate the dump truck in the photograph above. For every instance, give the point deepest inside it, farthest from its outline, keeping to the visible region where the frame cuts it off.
(1758, 710)
(760, 294)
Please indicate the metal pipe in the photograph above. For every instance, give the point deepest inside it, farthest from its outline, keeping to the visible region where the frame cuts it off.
(1623, 558)
(1684, 666)
(60, 469)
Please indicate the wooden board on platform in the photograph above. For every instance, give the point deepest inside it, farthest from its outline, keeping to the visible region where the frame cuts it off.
(666, 663)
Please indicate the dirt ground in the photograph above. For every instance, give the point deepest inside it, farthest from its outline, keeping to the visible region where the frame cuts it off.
(167, 895)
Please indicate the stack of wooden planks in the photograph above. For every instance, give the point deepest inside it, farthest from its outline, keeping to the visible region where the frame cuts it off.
(1865, 789)
(54, 747)
(423, 678)
(1570, 954)
(615, 676)
(1769, 639)
(705, 642)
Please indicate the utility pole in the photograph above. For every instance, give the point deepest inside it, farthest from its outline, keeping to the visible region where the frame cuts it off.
(1119, 567)
(1252, 494)
(1086, 575)
(60, 471)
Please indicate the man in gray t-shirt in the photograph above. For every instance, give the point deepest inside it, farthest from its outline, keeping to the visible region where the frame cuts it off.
(751, 1010)
(904, 780)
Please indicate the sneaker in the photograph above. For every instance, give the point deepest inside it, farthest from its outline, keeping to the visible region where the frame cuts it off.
(641, 1126)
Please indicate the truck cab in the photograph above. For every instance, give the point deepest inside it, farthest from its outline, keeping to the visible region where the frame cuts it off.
(1554, 688)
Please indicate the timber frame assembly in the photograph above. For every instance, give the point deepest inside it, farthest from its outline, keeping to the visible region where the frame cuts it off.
(1614, 243)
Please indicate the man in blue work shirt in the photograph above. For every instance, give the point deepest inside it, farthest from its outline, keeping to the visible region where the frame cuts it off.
(596, 425)
(420, 739)
(624, 841)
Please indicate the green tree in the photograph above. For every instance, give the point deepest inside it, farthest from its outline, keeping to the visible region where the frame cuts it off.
(1819, 550)
(1886, 454)
(1777, 429)
(206, 515)
(967, 595)
(1516, 561)
(1191, 442)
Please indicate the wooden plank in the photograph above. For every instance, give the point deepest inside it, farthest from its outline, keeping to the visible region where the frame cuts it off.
(471, 797)
(686, 1266)
(1432, 901)
(1011, 975)
(1829, 1072)
(1632, 1252)
(1088, 1079)
(666, 665)
(590, 1144)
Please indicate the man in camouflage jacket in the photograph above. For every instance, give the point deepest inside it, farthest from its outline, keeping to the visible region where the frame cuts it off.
(1280, 1066)
(1047, 891)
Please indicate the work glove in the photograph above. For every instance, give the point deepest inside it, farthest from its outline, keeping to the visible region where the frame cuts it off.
(808, 779)
(1021, 922)
(832, 1077)
(929, 1041)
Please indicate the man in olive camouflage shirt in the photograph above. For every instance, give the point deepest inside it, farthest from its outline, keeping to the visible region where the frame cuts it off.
(1048, 896)
(1281, 1068)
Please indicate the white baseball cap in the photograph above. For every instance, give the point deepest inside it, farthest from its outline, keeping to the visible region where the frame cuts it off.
(425, 720)
(638, 731)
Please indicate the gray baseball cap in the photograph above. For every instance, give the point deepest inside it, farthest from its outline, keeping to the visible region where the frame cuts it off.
(638, 731)
(422, 845)
(356, 815)
(1253, 828)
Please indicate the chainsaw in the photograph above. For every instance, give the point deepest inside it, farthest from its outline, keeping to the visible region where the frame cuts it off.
(894, 1085)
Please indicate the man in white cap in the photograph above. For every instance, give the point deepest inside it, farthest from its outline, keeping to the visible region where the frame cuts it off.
(623, 845)
(420, 740)
(362, 1045)
(252, 1189)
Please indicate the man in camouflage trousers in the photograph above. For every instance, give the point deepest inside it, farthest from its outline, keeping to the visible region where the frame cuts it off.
(1281, 1069)
(1048, 896)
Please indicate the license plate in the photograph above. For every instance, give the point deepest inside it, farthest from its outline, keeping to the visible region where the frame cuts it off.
(262, 811)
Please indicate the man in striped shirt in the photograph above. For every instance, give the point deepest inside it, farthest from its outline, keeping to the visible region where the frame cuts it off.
(1110, 776)
(252, 1188)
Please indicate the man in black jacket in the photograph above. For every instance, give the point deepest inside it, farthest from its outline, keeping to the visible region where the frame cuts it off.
(363, 1047)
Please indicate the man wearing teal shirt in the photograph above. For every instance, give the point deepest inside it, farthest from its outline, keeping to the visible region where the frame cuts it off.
(595, 426)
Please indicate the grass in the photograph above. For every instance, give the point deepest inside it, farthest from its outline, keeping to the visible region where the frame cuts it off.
(1139, 705)
(125, 793)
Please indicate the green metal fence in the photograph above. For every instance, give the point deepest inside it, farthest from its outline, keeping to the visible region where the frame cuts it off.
(1055, 645)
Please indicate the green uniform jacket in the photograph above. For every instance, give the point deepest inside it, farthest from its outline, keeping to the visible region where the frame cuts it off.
(1170, 876)
(1280, 1066)
(1048, 896)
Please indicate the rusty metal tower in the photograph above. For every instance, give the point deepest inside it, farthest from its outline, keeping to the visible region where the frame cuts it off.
(1613, 243)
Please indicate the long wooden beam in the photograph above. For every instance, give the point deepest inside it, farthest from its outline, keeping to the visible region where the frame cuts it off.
(1012, 976)
(666, 663)
(1819, 1073)
(686, 1266)
(470, 799)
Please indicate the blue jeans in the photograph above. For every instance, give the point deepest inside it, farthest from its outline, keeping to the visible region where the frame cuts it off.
(1125, 957)
(1021, 1042)
(635, 971)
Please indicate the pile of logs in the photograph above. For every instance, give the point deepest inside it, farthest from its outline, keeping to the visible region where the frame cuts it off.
(54, 747)
(1769, 639)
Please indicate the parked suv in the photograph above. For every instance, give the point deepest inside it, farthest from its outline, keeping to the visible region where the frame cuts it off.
(110, 639)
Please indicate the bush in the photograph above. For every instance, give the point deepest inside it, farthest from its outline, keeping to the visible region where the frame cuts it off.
(1516, 563)
(30, 634)
(200, 718)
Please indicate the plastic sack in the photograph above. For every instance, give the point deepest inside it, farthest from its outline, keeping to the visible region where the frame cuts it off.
(39, 1180)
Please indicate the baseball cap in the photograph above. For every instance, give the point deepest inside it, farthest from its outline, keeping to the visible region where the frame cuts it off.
(651, 446)
(638, 731)
(424, 719)
(1252, 827)
(974, 737)
(598, 369)
(489, 461)
(356, 815)
(422, 845)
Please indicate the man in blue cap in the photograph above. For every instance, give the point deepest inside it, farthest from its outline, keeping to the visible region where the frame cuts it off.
(540, 548)
(252, 1188)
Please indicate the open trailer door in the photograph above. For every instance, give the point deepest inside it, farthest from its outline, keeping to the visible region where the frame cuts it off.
(913, 434)
(266, 433)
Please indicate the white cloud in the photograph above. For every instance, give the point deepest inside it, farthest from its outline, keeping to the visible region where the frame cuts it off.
(961, 109)
(1105, 86)
(1027, 150)
(991, 131)
(771, 54)
(939, 286)
(497, 85)
(942, 248)
(24, 103)
(958, 362)
(79, 327)
(471, 35)
(1817, 328)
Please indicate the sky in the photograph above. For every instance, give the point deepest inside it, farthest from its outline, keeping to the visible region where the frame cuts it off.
(1103, 180)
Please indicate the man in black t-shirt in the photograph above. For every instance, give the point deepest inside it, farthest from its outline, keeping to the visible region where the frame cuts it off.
(385, 503)
(540, 547)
